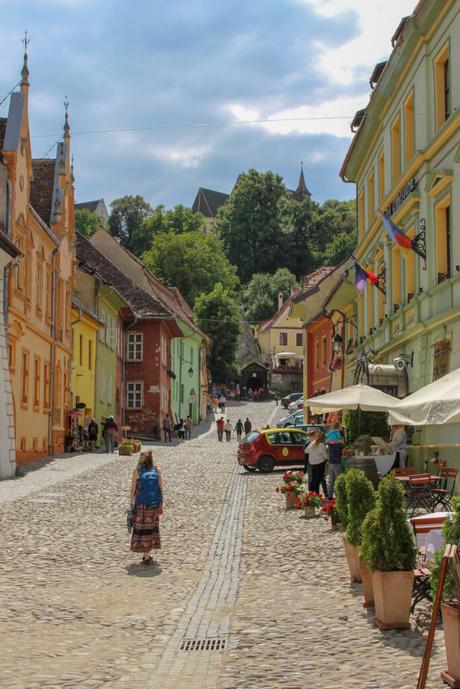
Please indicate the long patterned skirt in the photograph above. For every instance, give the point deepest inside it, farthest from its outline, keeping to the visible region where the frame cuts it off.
(146, 529)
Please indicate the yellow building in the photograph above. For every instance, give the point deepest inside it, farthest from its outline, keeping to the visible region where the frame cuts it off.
(280, 336)
(85, 326)
(40, 286)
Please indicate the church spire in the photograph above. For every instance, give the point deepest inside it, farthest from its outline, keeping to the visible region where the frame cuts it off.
(301, 192)
(25, 67)
(66, 121)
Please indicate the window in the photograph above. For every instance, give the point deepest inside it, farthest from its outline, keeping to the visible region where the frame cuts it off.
(28, 272)
(283, 339)
(361, 314)
(410, 275)
(110, 389)
(324, 350)
(361, 214)
(134, 347)
(25, 377)
(49, 292)
(370, 198)
(299, 339)
(80, 350)
(58, 395)
(316, 354)
(370, 306)
(113, 333)
(59, 309)
(46, 385)
(396, 274)
(102, 386)
(443, 231)
(381, 166)
(68, 310)
(12, 355)
(36, 382)
(90, 354)
(20, 267)
(396, 149)
(409, 129)
(134, 395)
(442, 86)
(39, 286)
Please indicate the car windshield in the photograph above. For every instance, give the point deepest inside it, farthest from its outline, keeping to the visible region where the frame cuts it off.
(250, 437)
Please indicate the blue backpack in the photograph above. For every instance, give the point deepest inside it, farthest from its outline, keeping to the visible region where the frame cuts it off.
(148, 489)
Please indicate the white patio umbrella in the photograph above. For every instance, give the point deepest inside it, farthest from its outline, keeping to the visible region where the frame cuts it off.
(354, 397)
(436, 403)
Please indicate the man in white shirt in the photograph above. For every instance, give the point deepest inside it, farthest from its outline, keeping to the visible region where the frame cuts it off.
(399, 446)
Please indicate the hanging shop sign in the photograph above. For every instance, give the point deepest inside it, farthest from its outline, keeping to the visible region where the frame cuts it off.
(407, 189)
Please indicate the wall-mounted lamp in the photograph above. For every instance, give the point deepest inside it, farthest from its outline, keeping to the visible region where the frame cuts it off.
(190, 371)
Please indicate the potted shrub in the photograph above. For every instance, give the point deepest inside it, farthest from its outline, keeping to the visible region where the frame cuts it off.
(309, 501)
(341, 505)
(125, 448)
(451, 600)
(361, 499)
(389, 549)
(292, 485)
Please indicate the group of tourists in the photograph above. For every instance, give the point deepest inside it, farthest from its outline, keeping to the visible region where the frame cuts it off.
(183, 429)
(219, 403)
(225, 426)
(109, 433)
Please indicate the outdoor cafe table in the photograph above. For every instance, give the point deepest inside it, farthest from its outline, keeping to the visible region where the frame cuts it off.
(422, 495)
(433, 478)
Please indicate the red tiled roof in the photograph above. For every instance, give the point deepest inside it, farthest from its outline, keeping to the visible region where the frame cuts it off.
(313, 279)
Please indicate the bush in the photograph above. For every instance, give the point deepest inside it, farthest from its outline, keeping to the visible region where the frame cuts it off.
(451, 535)
(387, 542)
(361, 499)
(341, 500)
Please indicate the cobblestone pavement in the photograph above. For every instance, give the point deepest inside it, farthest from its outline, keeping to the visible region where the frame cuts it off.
(267, 588)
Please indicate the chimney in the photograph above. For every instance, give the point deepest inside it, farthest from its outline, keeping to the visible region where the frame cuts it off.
(280, 300)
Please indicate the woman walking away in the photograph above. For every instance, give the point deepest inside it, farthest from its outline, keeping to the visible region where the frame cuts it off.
(147, 501)
(110, 433)
(239, 429)
(317, 458)
(228, 431)
(188, 427)
(93, 432)
(247, 426)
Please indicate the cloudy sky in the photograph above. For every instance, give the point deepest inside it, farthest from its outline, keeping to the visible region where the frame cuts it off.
(186, 79)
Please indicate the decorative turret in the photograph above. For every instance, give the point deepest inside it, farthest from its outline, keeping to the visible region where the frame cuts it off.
(301, 192)
(66, 121)
(25, 67)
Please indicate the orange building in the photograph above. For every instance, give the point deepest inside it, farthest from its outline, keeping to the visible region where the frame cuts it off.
(40, 287)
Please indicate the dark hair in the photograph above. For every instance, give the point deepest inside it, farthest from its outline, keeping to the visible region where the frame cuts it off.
(146, 460)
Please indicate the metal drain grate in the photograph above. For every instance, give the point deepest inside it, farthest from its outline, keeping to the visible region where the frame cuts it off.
(214, 644)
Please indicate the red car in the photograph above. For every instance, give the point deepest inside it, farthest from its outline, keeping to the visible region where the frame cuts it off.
(263, 450)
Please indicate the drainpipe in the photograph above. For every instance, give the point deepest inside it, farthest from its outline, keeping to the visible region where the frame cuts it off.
(52, 349)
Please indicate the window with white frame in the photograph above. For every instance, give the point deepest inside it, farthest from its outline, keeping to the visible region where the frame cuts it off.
(134, 395)
(134, 347)
(102, 386)
(102, 318)
(110, 389)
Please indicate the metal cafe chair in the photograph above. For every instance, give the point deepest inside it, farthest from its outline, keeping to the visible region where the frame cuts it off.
(422, 587)
(441, 497)
(418, 495)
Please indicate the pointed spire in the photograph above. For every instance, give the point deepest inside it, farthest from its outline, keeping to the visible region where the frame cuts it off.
(66, 121)
(72, 176)
(301, 192)
(25, 67)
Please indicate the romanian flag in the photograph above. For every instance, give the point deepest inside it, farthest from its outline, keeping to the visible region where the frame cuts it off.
(362, 276)
(395, 233)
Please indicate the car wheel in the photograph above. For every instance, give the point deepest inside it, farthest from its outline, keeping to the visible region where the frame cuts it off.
(248, 467)
(265, 464)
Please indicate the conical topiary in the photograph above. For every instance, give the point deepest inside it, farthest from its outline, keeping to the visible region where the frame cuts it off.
(387, 542)
(361, 499)
(341, 500)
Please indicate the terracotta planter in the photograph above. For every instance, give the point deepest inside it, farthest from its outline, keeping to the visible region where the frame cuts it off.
(124, 450)
(368, 589)
(451, 624)
(290, 500)
(392, 597)
(353, 560)
(310, 512)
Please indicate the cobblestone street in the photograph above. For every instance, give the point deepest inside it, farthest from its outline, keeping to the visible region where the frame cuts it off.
(271, 590)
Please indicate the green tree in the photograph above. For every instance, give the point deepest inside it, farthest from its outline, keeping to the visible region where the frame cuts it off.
(126, 218)
(251, 224)
(177, 220)
(335, 217)
(339, 248)
(87, 222)
(217, 314)
(304, 237)
(193, 262)
(260, 296)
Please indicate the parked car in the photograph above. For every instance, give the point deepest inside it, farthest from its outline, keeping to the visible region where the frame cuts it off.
(285, 401)
(297, 404)
(265, 449)
(290, 419)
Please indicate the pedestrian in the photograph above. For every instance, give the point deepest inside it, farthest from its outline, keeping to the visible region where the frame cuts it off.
(188, 427)
(317, 458)
(399, 446)
(110, 433)
(239, 429)
(276, 396)
(249, 394)
(147, 502)
(335, 442)
(181, 430)
(93, 432)
(167, 428)
(220, 428)
(255, 394)
(215, 404)
(223, 402)
(228, 431)
(237, 392)
(247, 426)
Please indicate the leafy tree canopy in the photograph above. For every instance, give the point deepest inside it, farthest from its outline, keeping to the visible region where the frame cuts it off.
(193, 262)
(126, 218)
(217, 314)
(87, 222)
(260, 296)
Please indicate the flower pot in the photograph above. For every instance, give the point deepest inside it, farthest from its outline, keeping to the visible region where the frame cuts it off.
(392, 597)
(290, 500)
(124, 450)
(368, 589)
(451, 624)
(310, 512)
(351, 553)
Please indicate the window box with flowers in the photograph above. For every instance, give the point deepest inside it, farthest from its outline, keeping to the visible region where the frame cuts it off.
(291, 487)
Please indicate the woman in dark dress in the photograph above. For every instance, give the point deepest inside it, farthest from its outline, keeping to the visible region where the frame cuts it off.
(147, 501)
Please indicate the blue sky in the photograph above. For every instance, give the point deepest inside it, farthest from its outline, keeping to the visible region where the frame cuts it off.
(171, 66)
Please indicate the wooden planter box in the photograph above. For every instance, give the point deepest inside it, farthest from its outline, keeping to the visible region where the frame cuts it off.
(451, 624)
(368, 589)
(352, 556)
(124, 450)
(392, 596)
